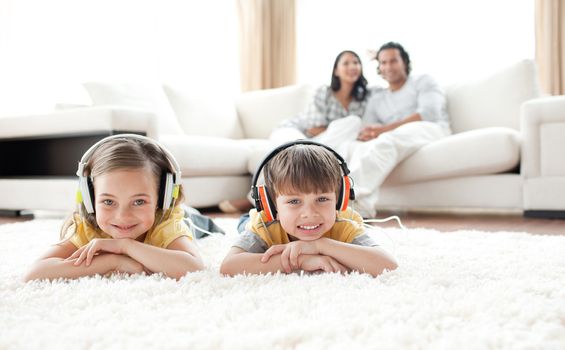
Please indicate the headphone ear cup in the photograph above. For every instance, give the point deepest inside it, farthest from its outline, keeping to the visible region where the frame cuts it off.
(256, 198)
(345, 193)
(267, 205)
(166, 191)
(87, 193)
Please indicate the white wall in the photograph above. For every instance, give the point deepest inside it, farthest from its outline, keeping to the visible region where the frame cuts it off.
(49, 48)
(452, 40)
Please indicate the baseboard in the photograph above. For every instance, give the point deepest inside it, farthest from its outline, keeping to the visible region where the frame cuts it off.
(545, 214)
(15, 213)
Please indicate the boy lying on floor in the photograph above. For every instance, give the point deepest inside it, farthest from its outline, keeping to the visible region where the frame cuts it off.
(302, 221)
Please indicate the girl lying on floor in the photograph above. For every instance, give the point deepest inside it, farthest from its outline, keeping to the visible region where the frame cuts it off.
(129, 219)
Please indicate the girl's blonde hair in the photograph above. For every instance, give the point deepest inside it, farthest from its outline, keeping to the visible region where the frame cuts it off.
(125, 153)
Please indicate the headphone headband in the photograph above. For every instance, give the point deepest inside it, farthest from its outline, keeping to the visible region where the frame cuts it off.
(169, 184)
(284, 146)
(265, 203)
(170, 158)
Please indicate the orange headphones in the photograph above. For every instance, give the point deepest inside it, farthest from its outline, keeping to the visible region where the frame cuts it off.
(264, 203)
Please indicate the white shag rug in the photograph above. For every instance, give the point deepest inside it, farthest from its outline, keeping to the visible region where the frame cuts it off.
(458, 290)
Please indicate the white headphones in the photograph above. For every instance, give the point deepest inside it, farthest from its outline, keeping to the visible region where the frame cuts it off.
(169, 185)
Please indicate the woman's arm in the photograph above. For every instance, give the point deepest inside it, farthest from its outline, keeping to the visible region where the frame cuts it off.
(53, 264)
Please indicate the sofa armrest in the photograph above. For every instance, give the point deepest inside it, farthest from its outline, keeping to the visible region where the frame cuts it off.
(543, 169)
(543, 127)
(96, 119)
(49, 145)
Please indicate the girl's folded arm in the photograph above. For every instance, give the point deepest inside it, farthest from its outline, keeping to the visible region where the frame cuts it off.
(53, 265)
(180, 256)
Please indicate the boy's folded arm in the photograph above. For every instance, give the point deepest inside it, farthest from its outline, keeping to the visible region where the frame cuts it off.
(372, 260)
(239, 261)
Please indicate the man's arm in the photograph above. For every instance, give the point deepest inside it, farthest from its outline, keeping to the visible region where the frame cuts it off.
(431, 106)
(373, 131)
(431, 102)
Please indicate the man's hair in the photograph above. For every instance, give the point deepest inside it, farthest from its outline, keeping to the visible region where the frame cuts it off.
(302, 169)
(403, 54)
(359, 90)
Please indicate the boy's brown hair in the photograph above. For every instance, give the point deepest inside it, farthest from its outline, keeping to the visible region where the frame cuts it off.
(302, 168)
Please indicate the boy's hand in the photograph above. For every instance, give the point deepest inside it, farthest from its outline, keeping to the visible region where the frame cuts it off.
(324, 263)
(97, 245)
(289, 253)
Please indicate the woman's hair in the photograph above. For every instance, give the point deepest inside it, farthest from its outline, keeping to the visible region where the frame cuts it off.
(126, 153)
(302, 169)
(403, 54)
(359, 90)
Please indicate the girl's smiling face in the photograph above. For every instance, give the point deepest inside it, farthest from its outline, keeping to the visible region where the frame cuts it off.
(125, 202)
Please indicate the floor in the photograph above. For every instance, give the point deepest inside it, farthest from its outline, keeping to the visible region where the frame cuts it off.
(444, 222)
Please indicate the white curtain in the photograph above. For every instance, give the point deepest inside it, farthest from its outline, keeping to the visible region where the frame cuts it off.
(267, 43)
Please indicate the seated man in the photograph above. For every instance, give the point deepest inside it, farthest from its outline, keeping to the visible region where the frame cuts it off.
(398, 120)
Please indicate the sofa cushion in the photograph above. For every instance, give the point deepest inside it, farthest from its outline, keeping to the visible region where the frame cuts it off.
(258, 154)
(204, 113)
(477, 152)
(494, 100)
(261, 111)
(209, 156)
(145, 97)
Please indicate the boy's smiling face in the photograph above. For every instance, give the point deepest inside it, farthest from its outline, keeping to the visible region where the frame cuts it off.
(306, 216)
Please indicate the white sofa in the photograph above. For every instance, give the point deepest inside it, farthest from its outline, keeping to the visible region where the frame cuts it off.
(503, 156)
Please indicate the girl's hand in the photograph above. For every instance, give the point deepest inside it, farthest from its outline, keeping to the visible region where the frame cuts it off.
(97, 245)
(128, 265)
(290, 252)
(324, 263)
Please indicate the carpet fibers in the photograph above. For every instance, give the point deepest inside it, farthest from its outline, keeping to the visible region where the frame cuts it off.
(457, 290)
